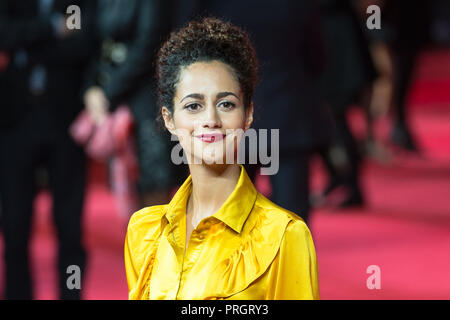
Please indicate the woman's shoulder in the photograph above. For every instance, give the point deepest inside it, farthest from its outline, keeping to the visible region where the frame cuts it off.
(146, 218)
(273, 210)
(279, 217)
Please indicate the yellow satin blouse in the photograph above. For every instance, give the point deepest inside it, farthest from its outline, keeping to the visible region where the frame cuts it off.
(249, 249)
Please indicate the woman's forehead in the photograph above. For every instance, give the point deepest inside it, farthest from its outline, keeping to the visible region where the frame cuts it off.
(208, 75)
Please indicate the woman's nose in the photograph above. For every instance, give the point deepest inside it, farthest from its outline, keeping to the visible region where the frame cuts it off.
(211, 118)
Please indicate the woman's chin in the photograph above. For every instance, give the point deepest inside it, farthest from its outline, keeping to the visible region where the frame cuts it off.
(211, 161)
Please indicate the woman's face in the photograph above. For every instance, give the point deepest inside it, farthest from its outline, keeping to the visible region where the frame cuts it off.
(208, 116)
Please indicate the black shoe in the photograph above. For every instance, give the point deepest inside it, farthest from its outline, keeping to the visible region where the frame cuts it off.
(402, 138)
(333, 185)
(355, 199)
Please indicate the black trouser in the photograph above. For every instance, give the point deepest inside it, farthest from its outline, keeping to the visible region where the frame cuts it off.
(344, 137)
(405, 59)
(33, 143)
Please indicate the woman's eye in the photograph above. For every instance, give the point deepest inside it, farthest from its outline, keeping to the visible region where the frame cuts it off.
(192, 107)
(227, 105)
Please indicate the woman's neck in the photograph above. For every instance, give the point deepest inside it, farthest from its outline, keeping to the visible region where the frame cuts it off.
(211, 186)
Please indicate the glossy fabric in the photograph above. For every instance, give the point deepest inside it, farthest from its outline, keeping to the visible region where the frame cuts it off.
(249, 249)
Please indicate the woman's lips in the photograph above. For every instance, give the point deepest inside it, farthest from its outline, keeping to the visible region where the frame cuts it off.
(210, 137)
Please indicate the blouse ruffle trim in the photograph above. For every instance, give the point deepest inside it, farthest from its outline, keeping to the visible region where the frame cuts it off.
(251, 259)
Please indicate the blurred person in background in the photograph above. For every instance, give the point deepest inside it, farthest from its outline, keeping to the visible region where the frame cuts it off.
(408, 25)
(378, 102)
(44, 77)
(347, 78)
(287, 39)
(440, 22)
(4, 61)
(129, 33)
(375, 99)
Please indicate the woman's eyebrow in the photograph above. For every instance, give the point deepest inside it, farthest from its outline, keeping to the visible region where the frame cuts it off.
(201, 96)
(194, 95)
(224, 94)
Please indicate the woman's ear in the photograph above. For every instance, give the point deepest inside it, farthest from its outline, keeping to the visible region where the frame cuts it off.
(168, 120)
(249, 116)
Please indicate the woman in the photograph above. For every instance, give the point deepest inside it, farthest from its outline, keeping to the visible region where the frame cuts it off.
(218, 238)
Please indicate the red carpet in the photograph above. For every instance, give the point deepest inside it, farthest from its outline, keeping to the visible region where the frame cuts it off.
(405, 229)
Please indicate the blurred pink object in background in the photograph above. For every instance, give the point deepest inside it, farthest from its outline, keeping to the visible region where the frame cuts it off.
(124, 165)
(4, 61)
(112, 140)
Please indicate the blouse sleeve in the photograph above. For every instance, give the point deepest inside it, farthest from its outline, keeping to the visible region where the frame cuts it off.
(294, 272)
(130, 269)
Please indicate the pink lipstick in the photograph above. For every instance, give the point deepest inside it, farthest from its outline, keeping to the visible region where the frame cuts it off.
(210, 137)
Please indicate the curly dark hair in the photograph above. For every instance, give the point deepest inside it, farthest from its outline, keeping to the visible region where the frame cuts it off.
(202, 41)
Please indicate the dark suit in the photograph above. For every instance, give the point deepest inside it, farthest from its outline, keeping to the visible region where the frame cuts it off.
(44, 79)
(409, 22)
(3, 91)
(288, 48)
(130, 33)
(348, 71)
